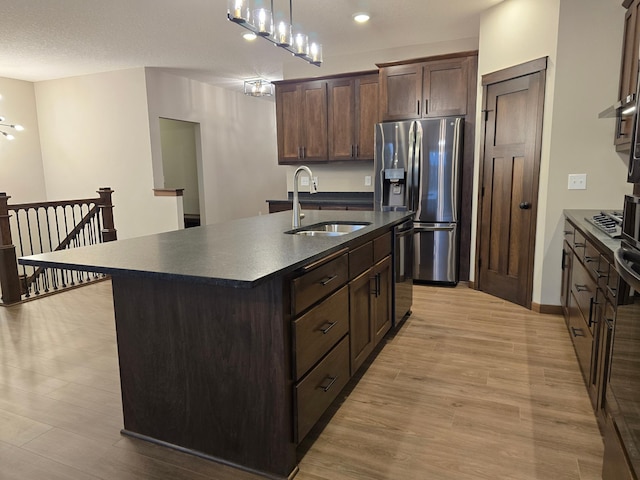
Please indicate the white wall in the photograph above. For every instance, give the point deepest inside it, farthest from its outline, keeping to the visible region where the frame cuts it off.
(94, 132)
(582, 39)
(21, 172)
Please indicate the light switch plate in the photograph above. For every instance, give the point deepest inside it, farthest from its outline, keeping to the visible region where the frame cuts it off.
(367, 180)
(577, 181)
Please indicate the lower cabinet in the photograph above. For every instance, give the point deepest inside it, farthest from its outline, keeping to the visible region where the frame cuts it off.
(340, 310)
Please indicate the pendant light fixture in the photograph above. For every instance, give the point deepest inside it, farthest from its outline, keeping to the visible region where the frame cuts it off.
(260, 21)
(9, 136)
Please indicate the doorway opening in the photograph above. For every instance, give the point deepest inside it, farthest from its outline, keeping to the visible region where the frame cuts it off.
(179, 144)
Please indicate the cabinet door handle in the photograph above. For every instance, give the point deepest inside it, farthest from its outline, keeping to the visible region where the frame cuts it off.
(577, 332)
(327, 326)
(592, 302)
(564, 257)
(581, 288)
(326, 280)
(304, 152)
(426, 106)
(353, 151)
(378, 288)
(357, 151)
(299, 152)
(328, 383)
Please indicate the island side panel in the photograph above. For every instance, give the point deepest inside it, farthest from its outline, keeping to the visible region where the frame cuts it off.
(207, 368)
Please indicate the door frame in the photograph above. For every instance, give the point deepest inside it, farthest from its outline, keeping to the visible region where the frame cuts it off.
(534, 66)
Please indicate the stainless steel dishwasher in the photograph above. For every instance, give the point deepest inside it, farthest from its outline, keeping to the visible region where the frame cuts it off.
(402, 271)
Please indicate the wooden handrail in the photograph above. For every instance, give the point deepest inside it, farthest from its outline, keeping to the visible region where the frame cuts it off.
(10, 282)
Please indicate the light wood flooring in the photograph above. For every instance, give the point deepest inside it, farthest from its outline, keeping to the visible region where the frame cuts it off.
(470, 387)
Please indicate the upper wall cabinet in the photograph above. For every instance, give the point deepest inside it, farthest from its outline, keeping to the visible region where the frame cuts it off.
(327, 119)
(628, 72)
(435, 88)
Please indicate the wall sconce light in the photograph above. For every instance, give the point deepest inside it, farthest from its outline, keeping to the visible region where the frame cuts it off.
(258, 88)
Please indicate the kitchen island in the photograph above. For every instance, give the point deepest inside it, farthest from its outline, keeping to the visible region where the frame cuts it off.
(234, 338)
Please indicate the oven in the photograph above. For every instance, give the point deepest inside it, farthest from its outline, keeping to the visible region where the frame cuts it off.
(623, 389)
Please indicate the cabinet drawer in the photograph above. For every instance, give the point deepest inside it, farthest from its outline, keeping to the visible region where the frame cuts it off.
(381, 247)
(583, 289)
(320, 387)
(591, 259)
(319, 329)
(316, 284)
(360, 259)
(582, 339)
(579, 244)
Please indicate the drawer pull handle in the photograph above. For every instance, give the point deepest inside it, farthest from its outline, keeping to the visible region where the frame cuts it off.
(581, 288)
(328, 383)
(577, 332)
(579, 245)
(328, 279)
(612, 291)
(327, 326)
(567, 232)
(589, 259)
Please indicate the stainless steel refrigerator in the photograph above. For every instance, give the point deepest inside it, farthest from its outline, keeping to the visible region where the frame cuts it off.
(417, 168)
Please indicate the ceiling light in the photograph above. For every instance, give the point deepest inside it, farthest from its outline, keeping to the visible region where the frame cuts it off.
(260, 22)
(250, 36)
(361, 17)
(9, 136)
(258, 87)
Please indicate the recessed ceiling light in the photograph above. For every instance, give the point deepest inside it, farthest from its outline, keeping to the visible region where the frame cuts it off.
(361, 17)
(249, 36)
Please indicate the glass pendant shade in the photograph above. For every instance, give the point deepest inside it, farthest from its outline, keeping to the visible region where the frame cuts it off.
(301, 45)
(315, 52)
(263, 22)
(238, 11)
(258, 88)
(284, 35)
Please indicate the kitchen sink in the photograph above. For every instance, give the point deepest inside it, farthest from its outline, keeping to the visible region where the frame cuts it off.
(328, 229)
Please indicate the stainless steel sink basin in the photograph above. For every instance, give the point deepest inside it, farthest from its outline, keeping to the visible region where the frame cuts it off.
(329, 229)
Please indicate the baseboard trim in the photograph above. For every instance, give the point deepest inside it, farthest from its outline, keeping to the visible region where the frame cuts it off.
(472, 285)
(549, 309)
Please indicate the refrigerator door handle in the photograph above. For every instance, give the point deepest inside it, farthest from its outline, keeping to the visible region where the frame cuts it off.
(414, 164)
(434, 228)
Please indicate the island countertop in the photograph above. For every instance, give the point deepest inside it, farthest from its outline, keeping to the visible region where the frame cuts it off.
(239, 253)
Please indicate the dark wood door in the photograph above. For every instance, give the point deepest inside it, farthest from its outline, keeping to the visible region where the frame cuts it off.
(314, 121)
(401, 91)
(366, 116)
(509, 186)
(342, 119)
(289, 120)
(444, 88)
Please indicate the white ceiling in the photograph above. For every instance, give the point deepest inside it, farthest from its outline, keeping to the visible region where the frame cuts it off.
(48, 39)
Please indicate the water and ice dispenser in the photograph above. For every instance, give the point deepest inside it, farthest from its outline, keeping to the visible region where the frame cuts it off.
(394, 181)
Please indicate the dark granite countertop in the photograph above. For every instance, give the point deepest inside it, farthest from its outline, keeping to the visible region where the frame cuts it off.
(594, 234)
(341, 198)
(239, 253)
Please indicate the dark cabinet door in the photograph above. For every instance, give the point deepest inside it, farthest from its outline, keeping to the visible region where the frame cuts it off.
(628, 73)
(382, 299)
(444, 88)
(361, 334)
(289, 123)
(401, 91)
(314, 120)
(367, 115)
(342, 119)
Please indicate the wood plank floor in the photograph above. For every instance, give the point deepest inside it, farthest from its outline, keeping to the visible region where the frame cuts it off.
(470, 387)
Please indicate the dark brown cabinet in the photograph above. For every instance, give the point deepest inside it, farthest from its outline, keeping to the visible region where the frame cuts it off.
(628, 72)
(369, 298)
(329, 119)
(353, 113)
(436, 88)
(301, 112)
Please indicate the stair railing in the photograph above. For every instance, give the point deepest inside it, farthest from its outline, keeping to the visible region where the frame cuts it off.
(45, 227)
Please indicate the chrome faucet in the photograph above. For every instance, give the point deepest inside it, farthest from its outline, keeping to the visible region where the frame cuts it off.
(297, 214)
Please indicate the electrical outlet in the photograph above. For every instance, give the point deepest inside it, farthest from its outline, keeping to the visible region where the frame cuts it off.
(577, 181)
(367, 180)
(304, 181)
